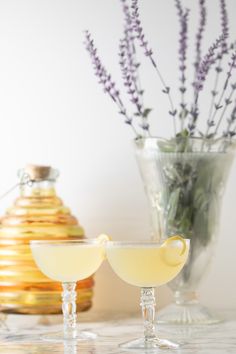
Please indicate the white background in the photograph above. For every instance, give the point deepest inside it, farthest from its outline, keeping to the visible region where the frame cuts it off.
(52, 111)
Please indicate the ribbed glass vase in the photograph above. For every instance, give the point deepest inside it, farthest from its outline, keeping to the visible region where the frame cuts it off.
(37, 214)
(184, 180)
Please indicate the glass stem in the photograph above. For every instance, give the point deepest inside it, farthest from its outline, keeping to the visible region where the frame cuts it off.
(69, 309)
(148, 304)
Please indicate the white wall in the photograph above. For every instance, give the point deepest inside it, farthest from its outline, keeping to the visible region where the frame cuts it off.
(53, 112)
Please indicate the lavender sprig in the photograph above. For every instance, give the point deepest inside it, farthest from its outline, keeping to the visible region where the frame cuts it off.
(225, 26)
(199, 36)
(202, 72)
(149, 53)
(105, 80)
(194, 110)
(183, 19)
(218, 105)
(223, 51)
(229, 133)
(228, 101)
(133, 32)
(205, 65)
(129, 68)
(129, 80)
(139, 32)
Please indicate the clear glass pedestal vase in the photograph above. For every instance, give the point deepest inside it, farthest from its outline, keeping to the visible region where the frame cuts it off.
(184, 180)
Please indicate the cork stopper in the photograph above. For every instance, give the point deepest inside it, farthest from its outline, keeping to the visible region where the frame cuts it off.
(38, 173)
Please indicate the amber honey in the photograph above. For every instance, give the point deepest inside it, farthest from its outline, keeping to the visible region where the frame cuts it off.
(38, 213)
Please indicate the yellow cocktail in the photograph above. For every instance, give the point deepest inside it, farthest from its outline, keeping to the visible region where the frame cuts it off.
(148, 265)
(68, 261)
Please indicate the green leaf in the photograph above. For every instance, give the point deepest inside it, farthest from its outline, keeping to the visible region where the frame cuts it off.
(173, 204)
(210, 136)
(146, 112)
(183, 134)
(183, 114)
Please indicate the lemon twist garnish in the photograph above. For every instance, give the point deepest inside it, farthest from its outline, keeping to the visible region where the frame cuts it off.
(178, 259)
(177, 238)
(103, 238)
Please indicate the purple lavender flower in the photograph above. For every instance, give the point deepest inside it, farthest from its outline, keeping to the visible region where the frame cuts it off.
(225, 27)
(183, 19)
(194, 112)
(205, 65)
(139, 32)
(203, 69)
(133, 32)
(200, 32)
(100, 71)
(224, 49)
(105, 80)
(128, 73)
(129, 67)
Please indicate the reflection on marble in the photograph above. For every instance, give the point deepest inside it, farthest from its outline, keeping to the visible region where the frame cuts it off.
(21, 335)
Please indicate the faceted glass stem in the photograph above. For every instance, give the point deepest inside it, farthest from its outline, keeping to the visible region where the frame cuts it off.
(70, 334)
(148, 304)
(69, 310)
(150, 340)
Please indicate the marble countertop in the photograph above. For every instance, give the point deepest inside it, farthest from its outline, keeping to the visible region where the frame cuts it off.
(21, 335)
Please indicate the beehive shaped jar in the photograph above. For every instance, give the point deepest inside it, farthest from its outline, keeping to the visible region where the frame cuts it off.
(38, 213)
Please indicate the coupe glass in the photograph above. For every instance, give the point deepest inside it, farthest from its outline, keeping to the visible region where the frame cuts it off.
(68, 261)
(148, 264)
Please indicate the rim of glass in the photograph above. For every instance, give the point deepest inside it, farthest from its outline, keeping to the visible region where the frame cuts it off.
(142, 242)
(211, 143)
(58, 242)
(193, 138)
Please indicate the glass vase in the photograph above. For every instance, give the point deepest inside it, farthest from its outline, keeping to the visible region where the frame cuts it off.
(184, 180)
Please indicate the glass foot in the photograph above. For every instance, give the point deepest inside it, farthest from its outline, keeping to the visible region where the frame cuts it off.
(3, 325)
(190, 314)
(152, 345)
(59, 337)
